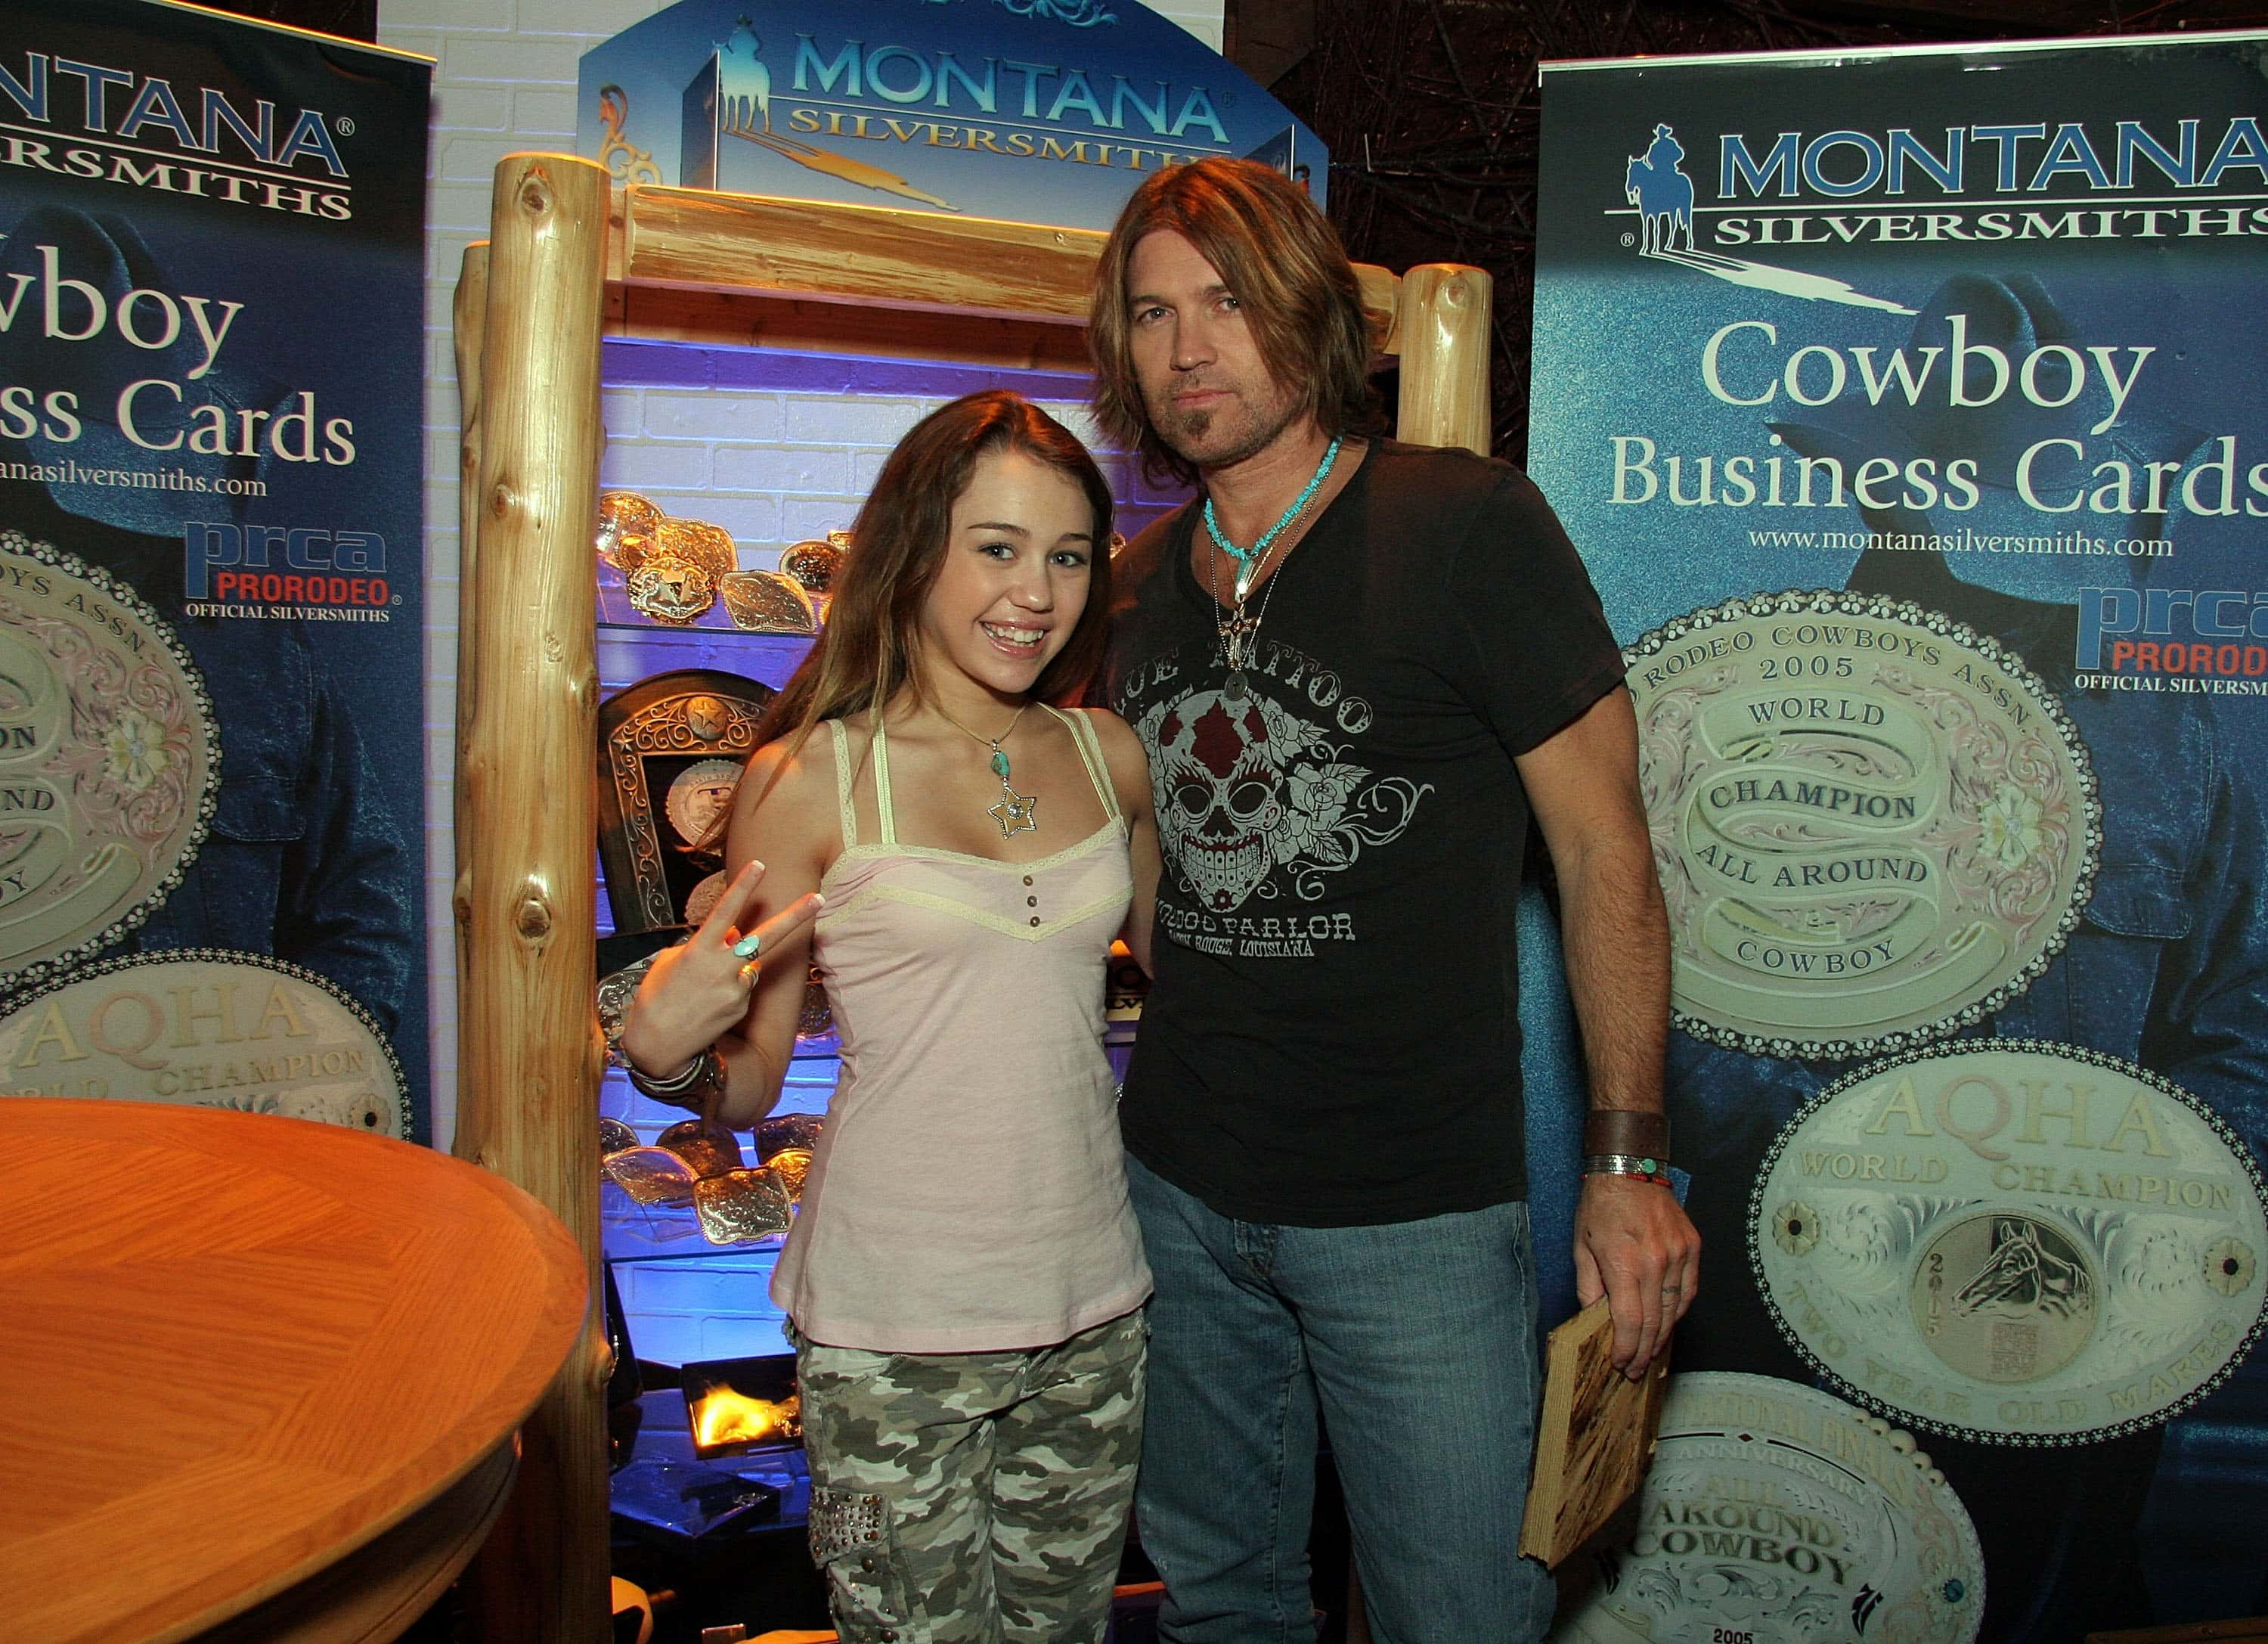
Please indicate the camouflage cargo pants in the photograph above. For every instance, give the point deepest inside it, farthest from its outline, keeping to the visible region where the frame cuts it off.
(975, 1498)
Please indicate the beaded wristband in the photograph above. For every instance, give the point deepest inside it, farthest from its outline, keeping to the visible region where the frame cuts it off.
(690, 1087)
(1643, 1167)
(1626, 1131)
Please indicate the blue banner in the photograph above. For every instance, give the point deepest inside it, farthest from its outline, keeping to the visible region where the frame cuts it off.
(211, 361)
(1911, 410)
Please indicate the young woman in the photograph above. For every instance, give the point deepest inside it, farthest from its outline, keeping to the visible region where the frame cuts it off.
(964, 1281)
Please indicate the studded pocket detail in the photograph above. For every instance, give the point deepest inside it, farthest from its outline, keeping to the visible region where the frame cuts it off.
(844, 1521)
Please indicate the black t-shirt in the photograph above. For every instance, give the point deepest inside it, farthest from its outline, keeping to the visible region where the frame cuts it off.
(1333, 1037)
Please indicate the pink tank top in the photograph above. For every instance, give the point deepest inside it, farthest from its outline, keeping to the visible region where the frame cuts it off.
(969, 1193)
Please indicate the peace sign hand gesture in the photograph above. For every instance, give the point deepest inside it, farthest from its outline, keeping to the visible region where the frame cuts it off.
(698, 990)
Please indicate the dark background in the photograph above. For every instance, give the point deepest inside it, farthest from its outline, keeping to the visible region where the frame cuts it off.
(357, 19)
(1429, 107)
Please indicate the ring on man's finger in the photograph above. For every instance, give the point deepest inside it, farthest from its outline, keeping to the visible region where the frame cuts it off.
(749, 946)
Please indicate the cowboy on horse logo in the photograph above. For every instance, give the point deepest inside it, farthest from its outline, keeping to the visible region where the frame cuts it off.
(1662, 194)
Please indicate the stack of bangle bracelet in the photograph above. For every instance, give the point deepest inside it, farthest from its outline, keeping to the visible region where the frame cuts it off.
(699, 1080)
(1642, 1167)
(1626, 1141)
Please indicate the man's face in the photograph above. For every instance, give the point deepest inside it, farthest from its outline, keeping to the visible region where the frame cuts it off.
(1204, 384)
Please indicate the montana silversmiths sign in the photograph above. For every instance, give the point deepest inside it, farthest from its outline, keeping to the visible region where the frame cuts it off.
(108, 758)
(207, 1028)
(1873, 826)
(1036, 111)
(1776, 1514)
(2014, 1241)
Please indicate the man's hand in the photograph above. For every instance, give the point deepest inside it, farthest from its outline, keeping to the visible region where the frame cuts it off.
(1634, 1246)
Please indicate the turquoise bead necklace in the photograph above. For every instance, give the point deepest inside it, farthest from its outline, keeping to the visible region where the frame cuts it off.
(1239, 633)
(1249, 560)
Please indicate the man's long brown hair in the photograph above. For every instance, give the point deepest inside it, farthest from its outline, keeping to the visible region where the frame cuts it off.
(1282, 258)
(870, 648)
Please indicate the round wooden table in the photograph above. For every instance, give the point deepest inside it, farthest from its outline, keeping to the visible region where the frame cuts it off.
(260, 1378)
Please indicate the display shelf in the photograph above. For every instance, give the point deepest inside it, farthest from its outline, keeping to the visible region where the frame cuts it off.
(635, 1234)
(615, 611)
(638, 1234)
(629, 652)
(809, 1084)
(663, 1440)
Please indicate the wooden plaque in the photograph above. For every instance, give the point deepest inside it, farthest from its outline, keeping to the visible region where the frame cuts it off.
(668, 750)
(1595, 1438)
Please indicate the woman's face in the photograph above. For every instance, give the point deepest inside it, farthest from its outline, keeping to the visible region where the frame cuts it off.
(1018, 558)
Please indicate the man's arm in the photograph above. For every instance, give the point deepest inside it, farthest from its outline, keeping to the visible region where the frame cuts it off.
(1633, 1243)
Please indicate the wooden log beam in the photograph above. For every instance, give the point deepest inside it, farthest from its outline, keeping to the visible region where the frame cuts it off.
(769, 320)
(693, 240)
(529, 1050)
(1445, 356)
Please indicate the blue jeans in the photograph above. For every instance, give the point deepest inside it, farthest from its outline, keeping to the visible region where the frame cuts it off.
(1416, 1342)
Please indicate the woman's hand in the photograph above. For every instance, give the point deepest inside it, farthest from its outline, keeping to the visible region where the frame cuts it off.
(696, 993)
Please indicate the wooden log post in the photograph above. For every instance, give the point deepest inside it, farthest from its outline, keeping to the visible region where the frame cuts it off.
(692, 239)
(529, 1050)
(468, 316)
(1445, 315)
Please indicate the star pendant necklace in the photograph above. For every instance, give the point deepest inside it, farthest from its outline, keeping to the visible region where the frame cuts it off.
(1239, 633)
(1015, 811)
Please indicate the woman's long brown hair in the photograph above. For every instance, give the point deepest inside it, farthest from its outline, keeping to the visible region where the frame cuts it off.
(868, 651)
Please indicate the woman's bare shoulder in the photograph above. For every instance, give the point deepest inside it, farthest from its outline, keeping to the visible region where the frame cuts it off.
(1117, 736)
(789, 786)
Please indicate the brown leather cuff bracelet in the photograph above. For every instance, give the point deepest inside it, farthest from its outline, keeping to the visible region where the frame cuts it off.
(1626, 1131)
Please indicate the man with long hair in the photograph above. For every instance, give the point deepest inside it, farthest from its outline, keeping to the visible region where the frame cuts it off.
(1357, 668)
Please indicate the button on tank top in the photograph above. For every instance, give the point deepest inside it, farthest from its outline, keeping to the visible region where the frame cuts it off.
(968, 1192)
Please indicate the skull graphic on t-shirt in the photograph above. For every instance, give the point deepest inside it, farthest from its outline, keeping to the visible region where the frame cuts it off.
(1244, 788)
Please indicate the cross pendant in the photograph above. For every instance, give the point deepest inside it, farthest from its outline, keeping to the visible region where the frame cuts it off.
(1233, 633)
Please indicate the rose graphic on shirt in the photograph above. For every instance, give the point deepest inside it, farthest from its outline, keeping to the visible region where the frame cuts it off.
(1245, 789)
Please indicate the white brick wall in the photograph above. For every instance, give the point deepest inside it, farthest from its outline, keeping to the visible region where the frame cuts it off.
(506, 82)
